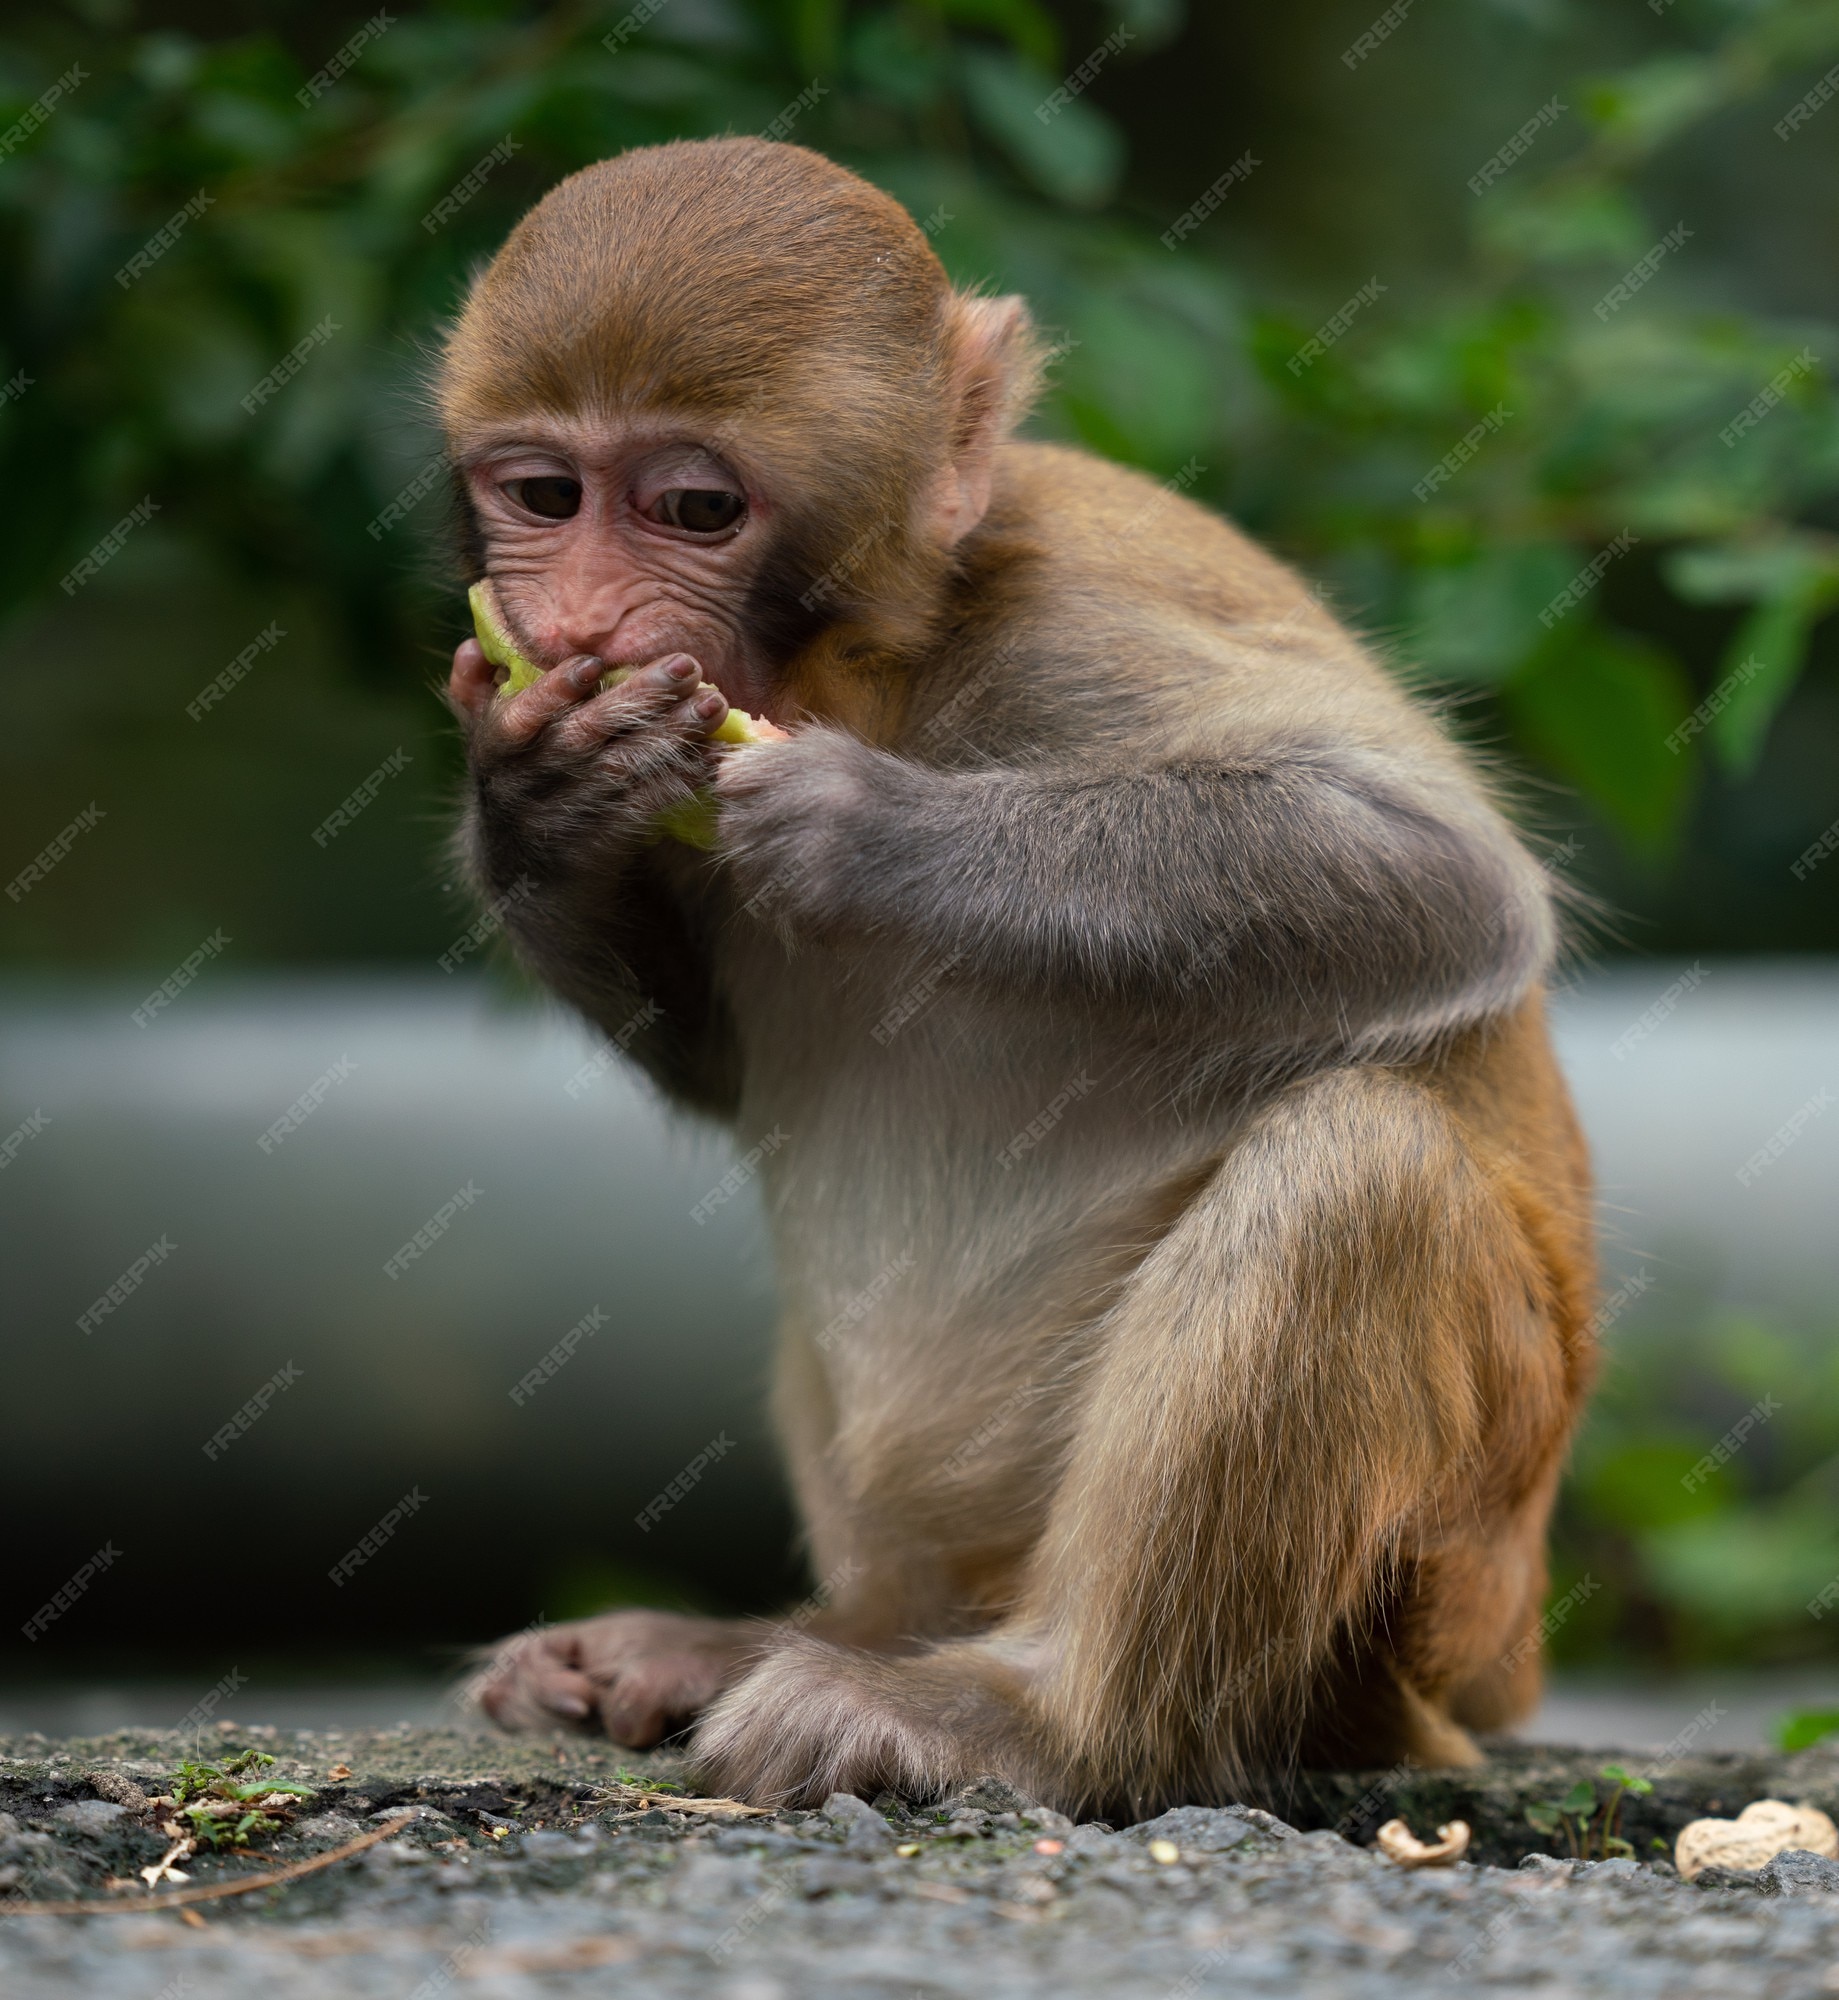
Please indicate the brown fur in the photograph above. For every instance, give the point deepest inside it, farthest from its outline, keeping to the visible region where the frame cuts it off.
(1217, 1428)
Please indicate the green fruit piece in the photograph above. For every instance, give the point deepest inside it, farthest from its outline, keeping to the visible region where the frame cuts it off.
(740, 727)
(496, 643)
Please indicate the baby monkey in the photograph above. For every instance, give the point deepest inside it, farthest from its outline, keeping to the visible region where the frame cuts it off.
(1182, 1231)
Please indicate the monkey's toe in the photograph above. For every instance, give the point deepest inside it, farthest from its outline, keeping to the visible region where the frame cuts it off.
(639, 1675)
(656, 1697)
(812, 1718)
(537, 1696)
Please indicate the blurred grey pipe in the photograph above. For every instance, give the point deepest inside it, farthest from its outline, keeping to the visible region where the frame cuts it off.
(1684, 1075)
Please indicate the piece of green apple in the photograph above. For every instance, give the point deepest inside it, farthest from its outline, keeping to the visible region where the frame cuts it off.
(495, 640)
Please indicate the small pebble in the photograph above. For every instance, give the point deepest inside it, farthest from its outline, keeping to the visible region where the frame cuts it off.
(1164, 1851)
(1797, 1872)
(865, 1833)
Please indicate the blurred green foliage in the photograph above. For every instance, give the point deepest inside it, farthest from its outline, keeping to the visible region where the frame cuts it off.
(1700, 1521)
(326, 208)
(1805, 1727)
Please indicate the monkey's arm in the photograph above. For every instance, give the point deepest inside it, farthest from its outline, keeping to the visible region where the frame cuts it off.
(559, 841)
(1303, 894)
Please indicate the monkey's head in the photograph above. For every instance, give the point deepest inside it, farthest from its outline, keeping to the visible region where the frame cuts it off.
(719, 397)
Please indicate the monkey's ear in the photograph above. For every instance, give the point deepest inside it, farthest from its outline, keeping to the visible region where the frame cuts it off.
(994, 363)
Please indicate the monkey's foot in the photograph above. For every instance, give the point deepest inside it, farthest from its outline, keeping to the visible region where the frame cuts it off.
(813, 1718)
(639, 1675)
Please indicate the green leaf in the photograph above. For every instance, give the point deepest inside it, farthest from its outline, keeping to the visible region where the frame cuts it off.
(1748, 1565)
(1616, 1775)
(1542, 1815)
(1076, 154)
(1027, 26)
(1758, 674)
(1642, 1482)
(1598, 708)
(816, 27)
(1581, 1798)
(893, 55)
(1563, 223)
(1642, 108)
(1796, 579)
(1151, 376)
(1806, 1726)
(1614, 1846)
(1776, 564)
(1479, 620)
(1094, 424)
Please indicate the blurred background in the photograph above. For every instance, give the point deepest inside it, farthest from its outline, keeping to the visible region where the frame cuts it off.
(1291, 259)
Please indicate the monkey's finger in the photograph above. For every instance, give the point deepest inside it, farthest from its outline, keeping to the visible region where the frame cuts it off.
(535, 1692)
(526, 715)
(645, 698)
(652, 1698)
(470, 686)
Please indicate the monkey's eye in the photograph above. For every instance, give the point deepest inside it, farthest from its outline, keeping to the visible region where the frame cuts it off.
(555, 498)
(697, 510)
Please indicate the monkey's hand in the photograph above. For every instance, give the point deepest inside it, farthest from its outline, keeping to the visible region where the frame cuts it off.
(639, 1674)
(793, 821)
(561, 771)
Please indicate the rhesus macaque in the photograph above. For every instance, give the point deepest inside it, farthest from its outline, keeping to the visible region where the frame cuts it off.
(1181, 1226)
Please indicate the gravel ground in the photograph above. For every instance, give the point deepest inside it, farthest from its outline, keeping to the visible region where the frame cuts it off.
(531, 1868)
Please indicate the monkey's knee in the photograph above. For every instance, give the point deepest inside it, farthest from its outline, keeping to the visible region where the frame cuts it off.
(1409, 1268)
(1372, 1265)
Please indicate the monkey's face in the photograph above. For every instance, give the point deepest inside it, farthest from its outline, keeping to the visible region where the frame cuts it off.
(627, 540)
(718, 398)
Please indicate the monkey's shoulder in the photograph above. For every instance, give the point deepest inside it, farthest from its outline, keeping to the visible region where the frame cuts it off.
(1089, 581)
(1112, 531)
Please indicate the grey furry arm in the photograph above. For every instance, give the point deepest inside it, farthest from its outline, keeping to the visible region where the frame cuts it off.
(1302, 894)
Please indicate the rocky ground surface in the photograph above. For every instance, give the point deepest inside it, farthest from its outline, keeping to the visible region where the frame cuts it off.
(539, 1867)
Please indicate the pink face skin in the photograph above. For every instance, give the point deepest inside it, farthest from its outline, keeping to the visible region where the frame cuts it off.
(654, 559)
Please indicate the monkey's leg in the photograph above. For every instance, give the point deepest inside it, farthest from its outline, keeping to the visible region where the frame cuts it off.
(1334, 1379)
